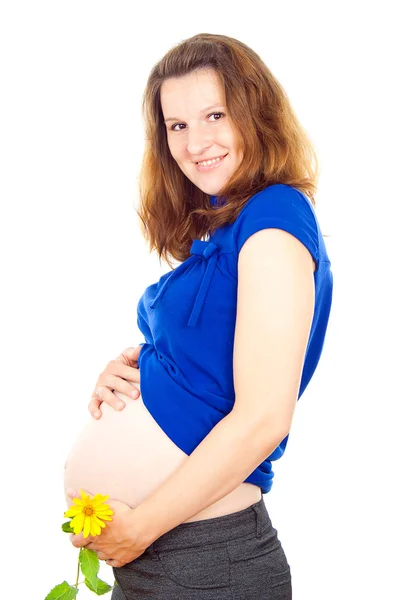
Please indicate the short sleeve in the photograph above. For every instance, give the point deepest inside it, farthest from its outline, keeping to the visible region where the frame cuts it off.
(283, 207)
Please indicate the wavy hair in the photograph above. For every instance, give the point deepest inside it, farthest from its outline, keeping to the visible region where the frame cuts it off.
(274, 146)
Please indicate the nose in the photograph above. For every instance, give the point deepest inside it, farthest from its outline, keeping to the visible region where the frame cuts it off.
(198, 141)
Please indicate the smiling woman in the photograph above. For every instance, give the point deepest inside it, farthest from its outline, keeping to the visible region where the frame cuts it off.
(233, 334)
(199, 139)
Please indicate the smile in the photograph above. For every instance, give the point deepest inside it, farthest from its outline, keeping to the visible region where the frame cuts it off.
(213, 164)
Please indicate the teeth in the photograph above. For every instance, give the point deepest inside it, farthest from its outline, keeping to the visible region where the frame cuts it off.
(210, 162)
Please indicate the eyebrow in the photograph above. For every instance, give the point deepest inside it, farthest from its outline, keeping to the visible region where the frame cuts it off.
(202, 111)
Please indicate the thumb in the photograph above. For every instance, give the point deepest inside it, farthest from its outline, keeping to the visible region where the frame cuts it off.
(75, 493)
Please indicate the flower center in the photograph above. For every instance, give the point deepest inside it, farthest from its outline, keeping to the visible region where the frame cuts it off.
(88, 511)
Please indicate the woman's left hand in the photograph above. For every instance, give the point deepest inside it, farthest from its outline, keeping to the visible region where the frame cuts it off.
(120, 541)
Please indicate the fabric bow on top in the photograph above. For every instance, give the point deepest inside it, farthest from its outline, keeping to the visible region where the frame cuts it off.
(200, 250)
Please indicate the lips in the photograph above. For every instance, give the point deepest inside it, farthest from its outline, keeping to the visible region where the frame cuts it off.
(212, 167)
(213, 157)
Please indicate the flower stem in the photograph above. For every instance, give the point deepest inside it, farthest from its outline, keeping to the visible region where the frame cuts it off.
(76, 583)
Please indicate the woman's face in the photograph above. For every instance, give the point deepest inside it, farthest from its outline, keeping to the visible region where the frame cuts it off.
(195, 132)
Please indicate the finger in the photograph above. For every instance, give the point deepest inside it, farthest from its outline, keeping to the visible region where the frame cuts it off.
(91, 545)
(94, 406)
(78, 540)
(119, 384)
(107, 396)
(72, 493)
(113, 563)
(119, 369)
(129, 354)
(103, 394)
(122, 376)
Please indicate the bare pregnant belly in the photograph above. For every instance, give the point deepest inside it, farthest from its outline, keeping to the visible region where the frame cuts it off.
(126, 455)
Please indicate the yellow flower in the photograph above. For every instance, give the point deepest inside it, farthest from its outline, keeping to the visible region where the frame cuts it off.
(88, 514)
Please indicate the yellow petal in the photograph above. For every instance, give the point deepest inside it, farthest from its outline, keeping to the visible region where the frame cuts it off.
(105, 518)
(87, 525)
(102, 515)
(98, 521)
(84, 496)
(77, 501)
(95, 529)
(101, 505)
(106, 511)
(72, 511)
(98, 499)
(77, 523)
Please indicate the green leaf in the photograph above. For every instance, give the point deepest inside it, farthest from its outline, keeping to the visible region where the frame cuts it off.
(67, 527)
(62, 591)
(89, 561)
(101, 588)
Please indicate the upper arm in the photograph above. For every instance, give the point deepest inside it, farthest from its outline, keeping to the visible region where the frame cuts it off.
(275, 306)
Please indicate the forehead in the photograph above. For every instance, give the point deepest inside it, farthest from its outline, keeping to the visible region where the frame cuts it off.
(190, 93)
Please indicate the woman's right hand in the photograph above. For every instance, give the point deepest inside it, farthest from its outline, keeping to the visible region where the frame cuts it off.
(117, 377)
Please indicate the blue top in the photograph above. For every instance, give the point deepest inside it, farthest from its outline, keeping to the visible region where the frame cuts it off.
(188, 321)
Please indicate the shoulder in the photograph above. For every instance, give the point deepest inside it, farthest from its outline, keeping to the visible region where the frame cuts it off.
(279, 206)
(279, 201)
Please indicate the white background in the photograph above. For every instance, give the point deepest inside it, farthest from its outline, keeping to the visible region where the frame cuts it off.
(74, 265)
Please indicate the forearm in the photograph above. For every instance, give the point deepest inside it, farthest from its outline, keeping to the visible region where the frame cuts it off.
(223, 460)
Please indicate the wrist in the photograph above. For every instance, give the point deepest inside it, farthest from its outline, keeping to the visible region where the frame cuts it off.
(139, 527)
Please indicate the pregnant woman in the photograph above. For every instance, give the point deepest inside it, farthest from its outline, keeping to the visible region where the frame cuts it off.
(139, 456)
(233, 336)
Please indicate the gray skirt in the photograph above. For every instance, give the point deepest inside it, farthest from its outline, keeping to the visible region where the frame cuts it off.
(233, 557)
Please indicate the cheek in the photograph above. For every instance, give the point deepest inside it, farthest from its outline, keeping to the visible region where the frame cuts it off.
(174, 143)
(238, 158)
(175, 152)
(171, 146)
(227, 140)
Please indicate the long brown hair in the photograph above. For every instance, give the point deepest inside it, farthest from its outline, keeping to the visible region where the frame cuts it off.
(274, 146)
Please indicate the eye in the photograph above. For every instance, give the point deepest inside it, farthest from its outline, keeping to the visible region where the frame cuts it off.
(216, 113)
(172, 128)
